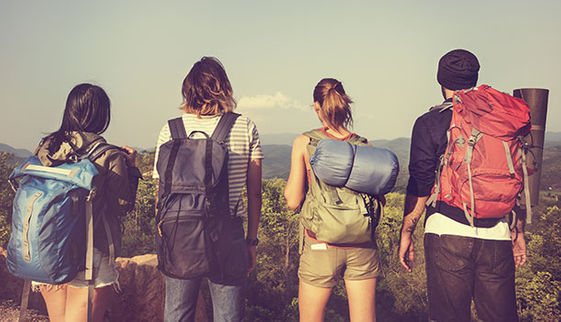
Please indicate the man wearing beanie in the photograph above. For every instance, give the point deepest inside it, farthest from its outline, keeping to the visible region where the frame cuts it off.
(463, 262)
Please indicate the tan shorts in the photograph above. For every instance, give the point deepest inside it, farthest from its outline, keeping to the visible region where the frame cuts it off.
(323, 265)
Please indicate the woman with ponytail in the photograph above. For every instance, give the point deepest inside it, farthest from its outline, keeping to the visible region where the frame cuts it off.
(323, 264)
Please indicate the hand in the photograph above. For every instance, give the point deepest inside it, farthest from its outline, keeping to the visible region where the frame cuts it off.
(413, 209)
(406, 249)
(251, 251)
(130, 154)
(518, 248)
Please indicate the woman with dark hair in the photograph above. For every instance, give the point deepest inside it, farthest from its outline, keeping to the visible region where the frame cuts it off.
(323, 264)
(86, 117)
(207, 96)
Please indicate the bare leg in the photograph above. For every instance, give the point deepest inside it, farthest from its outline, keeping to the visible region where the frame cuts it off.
(362, 299)
(55, 299)
(77, 303)
(312, 301)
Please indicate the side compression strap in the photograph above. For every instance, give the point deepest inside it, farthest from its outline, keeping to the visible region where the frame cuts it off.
(509, 159)
(89, 255)
(526, 189)
(475, 136)
(109, 240)
(431, 201)
(23, 312)
(444, 161)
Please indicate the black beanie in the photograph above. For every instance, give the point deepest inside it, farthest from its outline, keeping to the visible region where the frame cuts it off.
(457, 70)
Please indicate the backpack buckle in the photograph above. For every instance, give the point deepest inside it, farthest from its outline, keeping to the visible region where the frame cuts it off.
(73, 158)
(91, 195)
(14, 184)
(457, 98)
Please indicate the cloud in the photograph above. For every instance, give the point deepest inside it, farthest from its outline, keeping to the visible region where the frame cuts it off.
(278, 100)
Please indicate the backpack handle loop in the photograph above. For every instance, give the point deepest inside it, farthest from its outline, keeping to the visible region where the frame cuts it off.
(201, 132)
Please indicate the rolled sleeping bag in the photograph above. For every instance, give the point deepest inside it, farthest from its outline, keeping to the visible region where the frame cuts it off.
(362, 168)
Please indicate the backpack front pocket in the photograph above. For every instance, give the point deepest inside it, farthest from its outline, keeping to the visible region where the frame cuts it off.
(183, 246)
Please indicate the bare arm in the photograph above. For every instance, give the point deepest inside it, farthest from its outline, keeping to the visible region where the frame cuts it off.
(254, 207)
(412, 211)
(518, 243)
(295, 189)
(253, 197)
(157, 199)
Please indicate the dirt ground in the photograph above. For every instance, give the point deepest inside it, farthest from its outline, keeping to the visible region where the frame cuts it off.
(9, 311)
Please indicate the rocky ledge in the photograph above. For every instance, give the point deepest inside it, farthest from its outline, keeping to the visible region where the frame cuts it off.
(141, 297)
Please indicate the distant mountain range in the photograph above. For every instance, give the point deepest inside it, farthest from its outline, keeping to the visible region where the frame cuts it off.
(20, 153)
(277, 151)
(551, 138)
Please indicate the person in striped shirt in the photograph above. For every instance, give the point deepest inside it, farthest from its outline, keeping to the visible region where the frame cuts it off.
(207, 94)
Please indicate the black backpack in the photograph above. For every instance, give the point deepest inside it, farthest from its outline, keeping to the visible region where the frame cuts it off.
(193, 199)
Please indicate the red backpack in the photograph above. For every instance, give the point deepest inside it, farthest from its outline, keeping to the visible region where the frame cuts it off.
(483, 168)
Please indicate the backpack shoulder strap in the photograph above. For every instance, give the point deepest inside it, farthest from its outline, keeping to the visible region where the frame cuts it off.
(358, 140)
(224, 126)
(98, 149)
(315, 136)
(442, 107)
(177, 128)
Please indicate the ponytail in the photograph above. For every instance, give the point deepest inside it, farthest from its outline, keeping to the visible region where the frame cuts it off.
(334, 102)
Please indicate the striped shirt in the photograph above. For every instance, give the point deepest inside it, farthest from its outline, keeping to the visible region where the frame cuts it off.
(243, 145)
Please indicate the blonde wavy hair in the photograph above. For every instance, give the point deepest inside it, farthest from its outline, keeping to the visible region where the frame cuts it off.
(206, 89)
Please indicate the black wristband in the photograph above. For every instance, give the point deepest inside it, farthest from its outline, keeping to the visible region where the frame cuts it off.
(252, 242)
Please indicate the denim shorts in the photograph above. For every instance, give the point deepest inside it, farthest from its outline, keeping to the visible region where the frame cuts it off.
(104, 273)
(324, 265)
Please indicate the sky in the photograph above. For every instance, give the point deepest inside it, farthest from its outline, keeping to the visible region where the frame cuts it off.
(384, 52)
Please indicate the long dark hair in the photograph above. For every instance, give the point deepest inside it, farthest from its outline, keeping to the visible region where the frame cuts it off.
(334, 102)
(206, 89)
(88, 109)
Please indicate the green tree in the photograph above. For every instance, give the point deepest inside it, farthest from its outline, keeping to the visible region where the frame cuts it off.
(274, 285)
(145, 162)
(140, 224)
(400, 295)
(544, 243)
(539, 296)
(538, 283)
(6, 197)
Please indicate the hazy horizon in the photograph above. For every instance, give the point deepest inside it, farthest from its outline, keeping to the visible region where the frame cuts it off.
(274, 53)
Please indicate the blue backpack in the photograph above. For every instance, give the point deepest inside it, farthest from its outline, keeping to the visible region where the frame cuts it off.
(48, 220)
(52, 221)
(52, 226)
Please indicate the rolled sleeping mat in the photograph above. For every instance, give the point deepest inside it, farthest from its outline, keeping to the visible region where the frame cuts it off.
(374, 171)
(362, 168)
(332, 161)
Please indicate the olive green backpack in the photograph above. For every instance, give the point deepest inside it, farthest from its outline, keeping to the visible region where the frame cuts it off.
(338, 215)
